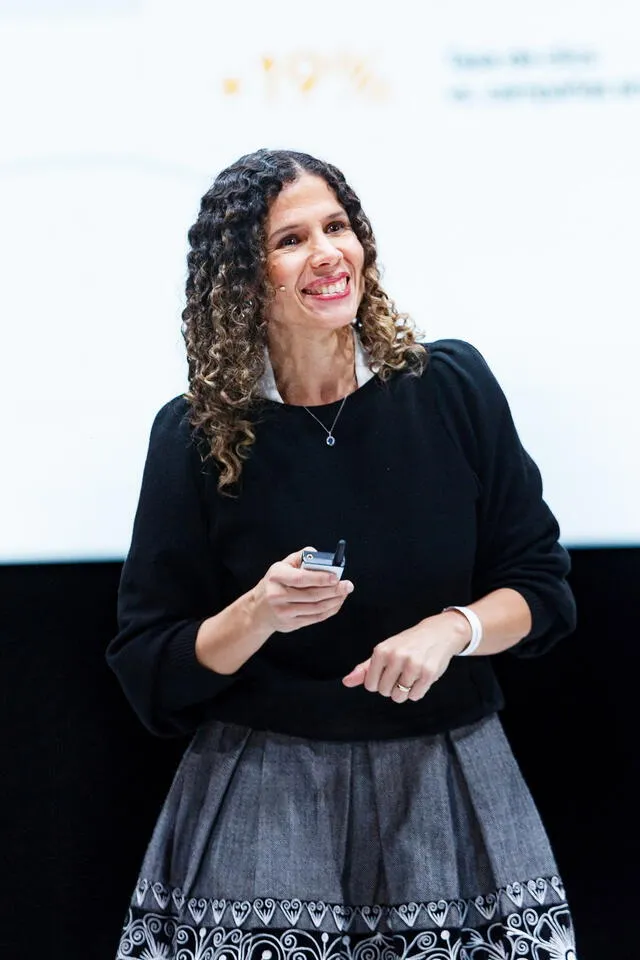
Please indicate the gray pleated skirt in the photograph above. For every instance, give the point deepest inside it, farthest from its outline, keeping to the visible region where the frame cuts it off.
(272, 847)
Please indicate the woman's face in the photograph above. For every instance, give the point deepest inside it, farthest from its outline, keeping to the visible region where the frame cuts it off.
(314, 254)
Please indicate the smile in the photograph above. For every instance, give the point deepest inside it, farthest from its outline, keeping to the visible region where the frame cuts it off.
(329, 291)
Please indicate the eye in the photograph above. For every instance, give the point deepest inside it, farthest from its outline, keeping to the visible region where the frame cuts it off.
(337, 225)
(288, 241)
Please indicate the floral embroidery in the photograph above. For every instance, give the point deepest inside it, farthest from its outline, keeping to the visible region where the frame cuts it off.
(156, 898)
(534, 934)
(521, 921)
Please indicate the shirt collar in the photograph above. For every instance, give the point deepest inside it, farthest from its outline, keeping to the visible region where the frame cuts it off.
(268, 389)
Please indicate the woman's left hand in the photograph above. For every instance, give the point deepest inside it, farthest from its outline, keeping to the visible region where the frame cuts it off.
(415, 658)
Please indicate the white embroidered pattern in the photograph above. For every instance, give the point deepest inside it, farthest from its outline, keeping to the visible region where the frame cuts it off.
(534, 934)
(522, 921)
(339, 918)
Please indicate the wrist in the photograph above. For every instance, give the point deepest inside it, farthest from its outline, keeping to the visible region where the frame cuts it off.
(225, 641)
(475, 627)
(257, 619)
(459, 630)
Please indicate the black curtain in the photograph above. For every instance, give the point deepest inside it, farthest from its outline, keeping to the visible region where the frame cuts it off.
(82, 781)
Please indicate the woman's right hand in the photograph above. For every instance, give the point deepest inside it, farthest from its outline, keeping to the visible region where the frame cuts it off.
(288, 597)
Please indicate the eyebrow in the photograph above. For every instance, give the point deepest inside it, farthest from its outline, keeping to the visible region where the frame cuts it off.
(296, 226)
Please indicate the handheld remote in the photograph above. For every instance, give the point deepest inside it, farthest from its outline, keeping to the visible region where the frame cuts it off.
(331, 561)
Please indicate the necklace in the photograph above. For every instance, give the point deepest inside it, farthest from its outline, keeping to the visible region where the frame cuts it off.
(329, 431)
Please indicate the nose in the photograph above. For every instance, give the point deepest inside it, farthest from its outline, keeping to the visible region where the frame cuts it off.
(324, 252)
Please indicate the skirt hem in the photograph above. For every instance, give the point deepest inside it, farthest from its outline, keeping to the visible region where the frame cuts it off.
(157, 899)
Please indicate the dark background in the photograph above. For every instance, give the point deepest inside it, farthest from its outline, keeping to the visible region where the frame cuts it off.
(82, 782)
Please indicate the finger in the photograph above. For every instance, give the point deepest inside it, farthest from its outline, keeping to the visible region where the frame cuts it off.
(295, 559)
(337, 591)
(374, 673)
(416, 692)
(419, 689)
(357, 675)
(317, 609)
(398, 695)
(300, 579)
(306, 620)
(388, 685)
(388, 679)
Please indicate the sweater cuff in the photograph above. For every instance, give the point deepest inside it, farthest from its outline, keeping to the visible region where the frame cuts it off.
(540, 620)
(534, 643)
(184, 680)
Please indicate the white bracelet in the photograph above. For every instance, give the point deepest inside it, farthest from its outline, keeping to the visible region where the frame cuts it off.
(476, 629)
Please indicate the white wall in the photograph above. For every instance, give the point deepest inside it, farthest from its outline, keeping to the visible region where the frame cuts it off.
(495, 146)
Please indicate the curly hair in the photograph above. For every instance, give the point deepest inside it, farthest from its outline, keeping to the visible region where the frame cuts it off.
(228, 295)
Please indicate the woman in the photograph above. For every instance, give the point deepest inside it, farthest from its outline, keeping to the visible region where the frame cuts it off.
(348, 789)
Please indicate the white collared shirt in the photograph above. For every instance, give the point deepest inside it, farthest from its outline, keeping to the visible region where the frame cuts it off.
(364, 373)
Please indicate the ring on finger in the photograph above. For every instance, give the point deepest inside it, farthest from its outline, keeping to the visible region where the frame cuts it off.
(404, 688)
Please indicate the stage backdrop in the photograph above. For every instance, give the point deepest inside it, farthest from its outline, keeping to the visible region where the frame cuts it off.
(82, 782)
(495, 147)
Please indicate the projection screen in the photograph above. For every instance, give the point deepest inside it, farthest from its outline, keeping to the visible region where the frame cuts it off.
(495, 147)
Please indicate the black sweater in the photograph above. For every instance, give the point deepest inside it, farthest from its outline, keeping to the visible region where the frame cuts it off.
(439, 504)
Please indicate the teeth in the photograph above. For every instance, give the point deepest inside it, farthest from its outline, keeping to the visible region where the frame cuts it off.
(330, 288)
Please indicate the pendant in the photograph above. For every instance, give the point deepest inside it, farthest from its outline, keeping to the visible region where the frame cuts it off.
(330, 440)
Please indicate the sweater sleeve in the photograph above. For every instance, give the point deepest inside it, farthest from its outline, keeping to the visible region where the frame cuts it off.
(517, 534)
(169, 585)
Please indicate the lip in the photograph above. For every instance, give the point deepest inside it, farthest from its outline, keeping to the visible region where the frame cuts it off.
(323, 281)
